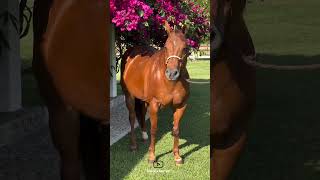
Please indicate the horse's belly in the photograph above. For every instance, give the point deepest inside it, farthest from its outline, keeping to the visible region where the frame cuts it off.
(135, 87)
(134, 80)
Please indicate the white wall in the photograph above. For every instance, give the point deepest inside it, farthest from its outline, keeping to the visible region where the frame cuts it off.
(10, 63)
(113, 78)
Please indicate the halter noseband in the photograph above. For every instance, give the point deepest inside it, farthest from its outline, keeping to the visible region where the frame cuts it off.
(179, 58)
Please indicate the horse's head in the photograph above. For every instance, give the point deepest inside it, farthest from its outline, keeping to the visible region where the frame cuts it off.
(222, 12)
(176, 51)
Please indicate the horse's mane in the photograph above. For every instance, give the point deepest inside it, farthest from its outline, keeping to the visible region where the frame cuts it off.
(238, 6)
(159, 59)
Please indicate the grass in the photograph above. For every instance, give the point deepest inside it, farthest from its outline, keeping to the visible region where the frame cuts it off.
(30, 92)
(26, 45)
(284, 139)
(194, 143)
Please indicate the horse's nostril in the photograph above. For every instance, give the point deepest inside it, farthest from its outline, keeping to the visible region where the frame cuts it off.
(172, 74)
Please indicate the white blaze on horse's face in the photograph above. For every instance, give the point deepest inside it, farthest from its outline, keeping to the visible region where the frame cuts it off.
(175, 47)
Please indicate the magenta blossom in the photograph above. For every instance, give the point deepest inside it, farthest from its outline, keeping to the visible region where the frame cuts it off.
(141, 21)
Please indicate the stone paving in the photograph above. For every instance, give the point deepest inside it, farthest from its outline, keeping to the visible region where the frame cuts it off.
(119, 123)
(31, 156)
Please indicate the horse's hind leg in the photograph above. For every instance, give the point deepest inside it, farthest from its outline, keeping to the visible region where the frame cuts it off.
(64, 126)
(141, 111)
(93, 138)
(130, 102)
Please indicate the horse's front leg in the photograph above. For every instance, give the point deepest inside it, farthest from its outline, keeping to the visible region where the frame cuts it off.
(154, 108)
(177, 115)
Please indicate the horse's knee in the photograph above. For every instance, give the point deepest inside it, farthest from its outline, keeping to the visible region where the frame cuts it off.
(153, 131)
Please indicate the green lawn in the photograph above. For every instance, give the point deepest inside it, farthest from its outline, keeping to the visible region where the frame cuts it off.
(30, 93)
(284, 139)
(194, 144)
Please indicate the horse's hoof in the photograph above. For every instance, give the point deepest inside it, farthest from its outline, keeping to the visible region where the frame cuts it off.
(151, 161)
(179, 162)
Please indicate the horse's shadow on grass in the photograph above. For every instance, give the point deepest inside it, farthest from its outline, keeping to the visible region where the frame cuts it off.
(185, 155)
(284, 136)
(197, 134)
(192, 138)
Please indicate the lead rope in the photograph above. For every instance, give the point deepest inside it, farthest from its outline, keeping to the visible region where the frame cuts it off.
(188, 80)
(197, 82)
(250, 60)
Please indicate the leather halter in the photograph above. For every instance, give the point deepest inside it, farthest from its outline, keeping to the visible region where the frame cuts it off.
(179, 58)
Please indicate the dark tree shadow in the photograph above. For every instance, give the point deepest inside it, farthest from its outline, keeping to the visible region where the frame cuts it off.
(284, 137)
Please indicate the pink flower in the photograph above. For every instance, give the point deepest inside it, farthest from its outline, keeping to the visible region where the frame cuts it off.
(142, 20)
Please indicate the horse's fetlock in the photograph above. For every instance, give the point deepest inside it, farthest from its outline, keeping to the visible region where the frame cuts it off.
(175, 132)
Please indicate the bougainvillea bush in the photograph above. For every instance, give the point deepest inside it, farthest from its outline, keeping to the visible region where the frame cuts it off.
(141, 21)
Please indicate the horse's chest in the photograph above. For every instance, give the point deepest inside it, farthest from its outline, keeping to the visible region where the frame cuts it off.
(174, 97)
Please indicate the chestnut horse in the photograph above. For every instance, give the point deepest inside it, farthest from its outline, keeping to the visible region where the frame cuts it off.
(156, 79)
(233, 86)
(70, 64)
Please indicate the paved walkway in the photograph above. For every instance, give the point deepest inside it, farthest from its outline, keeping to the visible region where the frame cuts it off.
(119, 123)
(26, 149)
(32, 156)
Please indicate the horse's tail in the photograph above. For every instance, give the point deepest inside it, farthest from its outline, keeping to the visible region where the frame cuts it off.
(123, 65)
(94, 147)
(139, 109)
(125, 57)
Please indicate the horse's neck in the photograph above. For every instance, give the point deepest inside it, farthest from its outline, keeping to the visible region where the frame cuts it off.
(160, 61)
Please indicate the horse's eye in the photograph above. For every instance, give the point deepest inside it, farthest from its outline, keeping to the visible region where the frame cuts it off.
(186, 50)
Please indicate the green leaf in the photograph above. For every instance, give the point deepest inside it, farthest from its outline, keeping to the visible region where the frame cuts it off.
(141, 13)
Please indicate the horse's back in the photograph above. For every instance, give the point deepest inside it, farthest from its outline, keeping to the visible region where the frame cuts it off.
(135, 66)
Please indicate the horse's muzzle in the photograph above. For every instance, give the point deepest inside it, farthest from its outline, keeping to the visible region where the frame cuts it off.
(172, 74)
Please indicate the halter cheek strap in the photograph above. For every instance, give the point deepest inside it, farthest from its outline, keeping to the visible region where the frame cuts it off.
(179, 58)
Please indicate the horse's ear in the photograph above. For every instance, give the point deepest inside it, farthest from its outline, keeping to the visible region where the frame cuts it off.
(185, 29)
(167, 27)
